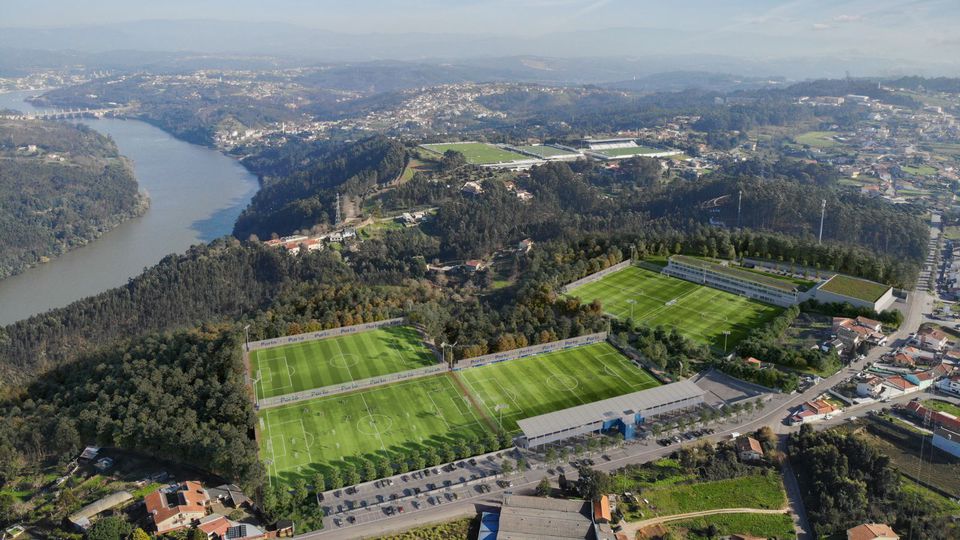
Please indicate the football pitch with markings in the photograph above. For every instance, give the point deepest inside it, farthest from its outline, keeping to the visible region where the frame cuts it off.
(477, 153)
(300, 439)
(550, 382)
(699, 313)
(314, 364)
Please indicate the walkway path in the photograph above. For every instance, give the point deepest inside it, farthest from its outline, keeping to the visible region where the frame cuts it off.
(631, 528)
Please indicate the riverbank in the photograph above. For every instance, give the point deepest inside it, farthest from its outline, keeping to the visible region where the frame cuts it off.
(196, 194)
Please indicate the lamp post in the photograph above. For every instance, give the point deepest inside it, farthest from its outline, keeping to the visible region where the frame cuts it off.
(631, 301)
(725, 334)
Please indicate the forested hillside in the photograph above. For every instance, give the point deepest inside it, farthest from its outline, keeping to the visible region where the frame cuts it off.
(305, 196)
(61, 186)
(176, 396)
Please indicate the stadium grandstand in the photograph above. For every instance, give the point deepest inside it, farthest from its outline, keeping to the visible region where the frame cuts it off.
(621, 413)
(757, 286)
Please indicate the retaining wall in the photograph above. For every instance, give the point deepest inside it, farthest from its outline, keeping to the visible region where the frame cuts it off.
(596, 275)
(286, 399)
(323, 334)
(530, 351)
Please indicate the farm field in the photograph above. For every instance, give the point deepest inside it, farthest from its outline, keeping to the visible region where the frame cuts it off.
(300, 439)
(314, 364)
(549, 382)
(699, 313)
(477, 153)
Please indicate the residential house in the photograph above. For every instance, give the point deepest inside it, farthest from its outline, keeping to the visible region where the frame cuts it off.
(753, 362)
(853, 332)
(601, 510)
(950, 385)
(525, 245)
(872, 531)
(749, 449)
(472, 188)
(812, 411)
(932, 339)
(920, 356)
(229, 495)
(903, 360)
(177, 508)
(899, 385)
(215, 526)
(244, 531)
(872, 387)
(474, 265)
(931, 417)
(947, 440)
(285, 528)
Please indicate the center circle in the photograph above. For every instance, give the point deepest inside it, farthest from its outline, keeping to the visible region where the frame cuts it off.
(562, 381)
(344, 360)
(374, 424)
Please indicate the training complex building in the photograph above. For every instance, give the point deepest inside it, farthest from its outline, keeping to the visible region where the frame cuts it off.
(772, 290)
(621, 414)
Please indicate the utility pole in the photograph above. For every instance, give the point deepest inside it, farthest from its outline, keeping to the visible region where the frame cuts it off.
(823, 212)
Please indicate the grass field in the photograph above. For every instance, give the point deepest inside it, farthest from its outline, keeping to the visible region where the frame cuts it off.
(545, 151)
(629, 151)
(550, 382)
(855, 287)
(697, 312)
(817, 139)
(300, 439)
(760, 525)
(314, 364)
(477, 153)
(764, 492)
(922, 170)
(942, 406)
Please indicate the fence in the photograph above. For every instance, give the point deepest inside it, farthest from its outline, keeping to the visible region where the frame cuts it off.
(595, 276)
(334, 389)
(530, 351)
(323, 334)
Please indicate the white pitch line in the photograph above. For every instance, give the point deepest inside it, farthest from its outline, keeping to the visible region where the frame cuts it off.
(370, 413)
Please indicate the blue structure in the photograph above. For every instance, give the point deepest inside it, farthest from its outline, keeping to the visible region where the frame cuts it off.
(489, 526)
(621, 413)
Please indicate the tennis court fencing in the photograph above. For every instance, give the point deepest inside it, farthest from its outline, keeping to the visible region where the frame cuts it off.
(334, 389)
(504, 356)
(596, 276)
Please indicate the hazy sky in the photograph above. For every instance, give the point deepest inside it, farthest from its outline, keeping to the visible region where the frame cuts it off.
(918, 28)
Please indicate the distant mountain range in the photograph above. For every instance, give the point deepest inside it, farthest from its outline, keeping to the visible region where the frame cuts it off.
(590, 56)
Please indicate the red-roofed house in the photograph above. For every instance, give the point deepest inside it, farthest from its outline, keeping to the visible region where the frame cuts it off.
(936, 418)
(932, 339)
(853, 332)
(601, 510)
(754, 362)
(872, 531)
(178, 508)
(749, 449)
(214, 526)
(899, 385)
(904, 360)
(813, 410)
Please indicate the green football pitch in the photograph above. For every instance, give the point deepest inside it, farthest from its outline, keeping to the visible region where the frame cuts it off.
(509, 391)
(699, 313)
(314, 364)
(478, 153)
(300, 439)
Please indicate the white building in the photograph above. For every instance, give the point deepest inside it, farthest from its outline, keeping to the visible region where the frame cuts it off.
(732, 279)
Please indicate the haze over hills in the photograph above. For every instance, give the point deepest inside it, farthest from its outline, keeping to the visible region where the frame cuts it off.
(572, 56)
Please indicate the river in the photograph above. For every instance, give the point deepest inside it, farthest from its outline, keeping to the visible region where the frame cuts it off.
(196, 194)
